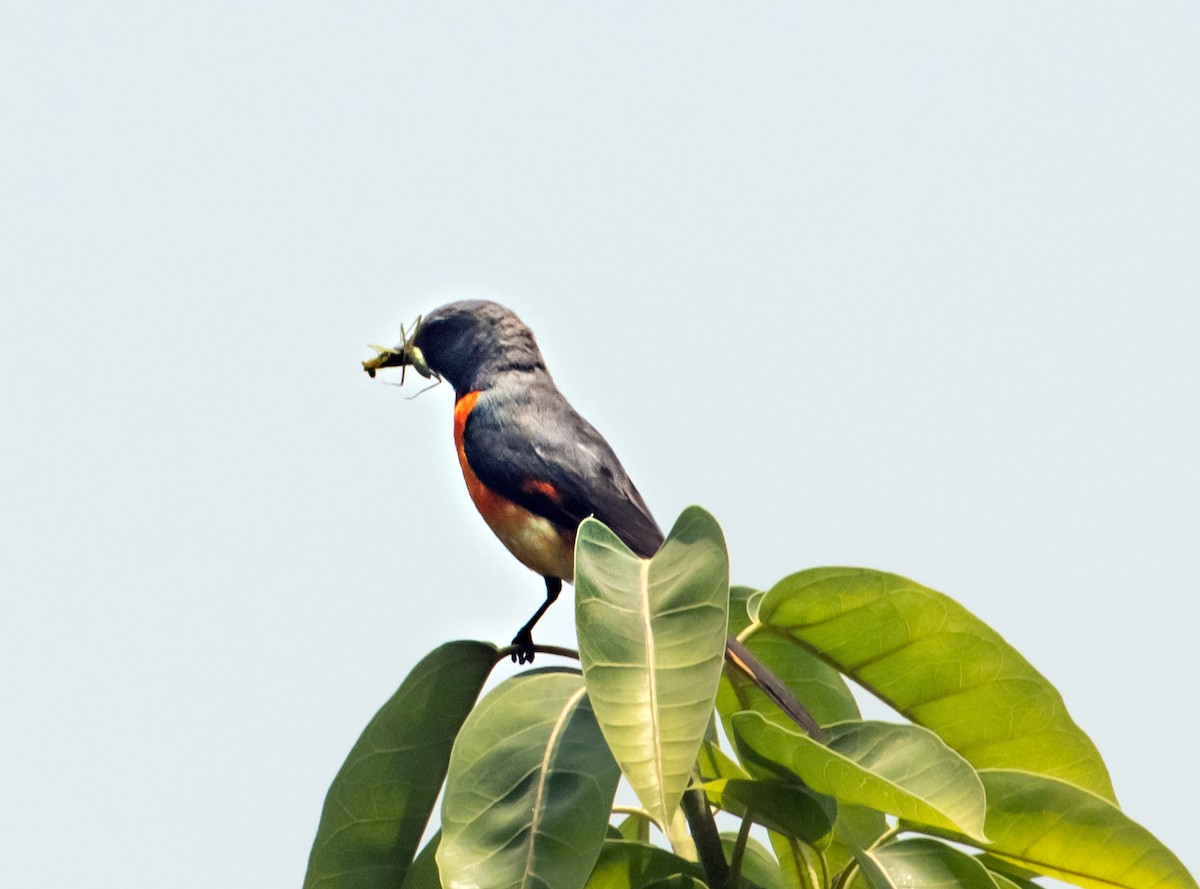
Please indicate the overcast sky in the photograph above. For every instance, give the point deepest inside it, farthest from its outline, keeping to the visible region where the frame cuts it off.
(908, 286)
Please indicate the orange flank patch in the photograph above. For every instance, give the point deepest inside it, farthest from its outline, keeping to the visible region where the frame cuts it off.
(538, 543)
(533, 486)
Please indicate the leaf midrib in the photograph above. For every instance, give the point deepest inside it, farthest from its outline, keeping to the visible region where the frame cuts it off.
(652, 681)
(539, 797)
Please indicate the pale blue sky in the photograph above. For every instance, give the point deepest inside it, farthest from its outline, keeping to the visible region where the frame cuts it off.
(910, 286)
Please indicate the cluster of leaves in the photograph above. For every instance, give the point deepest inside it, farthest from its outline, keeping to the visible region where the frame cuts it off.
(989, 759)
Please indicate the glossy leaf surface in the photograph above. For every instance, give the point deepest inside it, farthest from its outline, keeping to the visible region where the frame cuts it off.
(381, 799)
(652, 644)
(529, 790)
(940, 666)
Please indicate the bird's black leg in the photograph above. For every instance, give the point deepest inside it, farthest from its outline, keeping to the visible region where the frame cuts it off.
(524, 638)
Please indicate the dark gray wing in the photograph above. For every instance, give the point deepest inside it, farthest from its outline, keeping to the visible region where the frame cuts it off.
(530, 446)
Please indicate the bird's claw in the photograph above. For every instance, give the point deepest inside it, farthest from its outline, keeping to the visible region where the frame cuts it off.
(524, 642)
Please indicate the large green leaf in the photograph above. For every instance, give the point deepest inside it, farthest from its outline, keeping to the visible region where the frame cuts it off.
(1054, 828)
(529, 790)
(940, 666)
(652, 643)
(901, 769)
(819, 687)
(922, 864)
(380, 801)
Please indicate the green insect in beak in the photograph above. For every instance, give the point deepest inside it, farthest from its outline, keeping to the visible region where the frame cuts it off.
(404, 355)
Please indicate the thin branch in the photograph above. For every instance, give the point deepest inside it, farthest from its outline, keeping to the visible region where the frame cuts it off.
(704, 834)
(739, 851)
(509, 650)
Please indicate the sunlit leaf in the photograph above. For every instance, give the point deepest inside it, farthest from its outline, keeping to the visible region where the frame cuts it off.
(652, 643)
(1051, 827)
(529, 790)
(940, 666)
(922, 864)
(901, 769)
(381, 799)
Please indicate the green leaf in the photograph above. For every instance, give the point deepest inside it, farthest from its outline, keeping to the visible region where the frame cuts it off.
(632, 827)
(787, 808)
(758, 865)
(379, 803)
(423, 872)
(819, 687)
(1054, 828)
(922, 864)
(652, 643)
(529, 790)
(901, 769)
(629, 865)
(714, 763)
(940, 666)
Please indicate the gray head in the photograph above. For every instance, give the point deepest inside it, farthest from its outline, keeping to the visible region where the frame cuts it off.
(469, 343)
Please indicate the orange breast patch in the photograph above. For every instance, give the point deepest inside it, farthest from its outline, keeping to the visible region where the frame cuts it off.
(538, 543)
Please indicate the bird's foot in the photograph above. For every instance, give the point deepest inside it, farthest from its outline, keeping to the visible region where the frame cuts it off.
(524, 642)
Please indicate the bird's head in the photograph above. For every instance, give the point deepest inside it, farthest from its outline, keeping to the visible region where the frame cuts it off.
(467, 342)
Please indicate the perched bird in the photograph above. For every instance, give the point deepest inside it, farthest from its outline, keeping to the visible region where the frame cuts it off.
(533, 466)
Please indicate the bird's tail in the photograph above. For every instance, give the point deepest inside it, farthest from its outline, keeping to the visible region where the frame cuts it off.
(739, 656)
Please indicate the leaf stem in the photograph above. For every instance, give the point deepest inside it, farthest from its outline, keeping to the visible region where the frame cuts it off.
(750, 630)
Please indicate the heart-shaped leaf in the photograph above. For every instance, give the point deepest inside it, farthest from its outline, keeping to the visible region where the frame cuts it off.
(652, 643)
